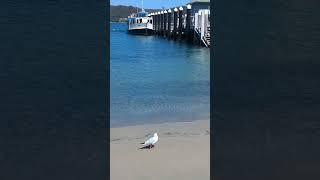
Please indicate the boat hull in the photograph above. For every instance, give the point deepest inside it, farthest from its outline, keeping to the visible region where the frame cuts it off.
(141, 31)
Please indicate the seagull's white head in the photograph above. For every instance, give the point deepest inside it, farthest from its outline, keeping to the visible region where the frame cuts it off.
(155, 135)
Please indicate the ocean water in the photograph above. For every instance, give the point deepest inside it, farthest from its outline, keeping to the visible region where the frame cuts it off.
(156, 80)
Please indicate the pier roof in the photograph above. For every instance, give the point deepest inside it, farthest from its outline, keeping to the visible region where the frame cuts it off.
(199, 1)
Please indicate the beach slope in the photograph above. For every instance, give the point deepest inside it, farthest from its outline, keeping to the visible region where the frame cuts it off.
(182, 152)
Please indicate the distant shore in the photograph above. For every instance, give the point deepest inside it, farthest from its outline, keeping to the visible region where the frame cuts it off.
(182, 152)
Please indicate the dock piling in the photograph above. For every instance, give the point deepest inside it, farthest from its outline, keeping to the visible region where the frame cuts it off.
(169, 23)
(165, 17)
(180, 22)
(188, 22)
(175, 21)
(158, 17)
(161, 22)
(153, 21)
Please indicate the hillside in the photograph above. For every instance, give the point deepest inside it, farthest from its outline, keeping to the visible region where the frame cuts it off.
(120, 13)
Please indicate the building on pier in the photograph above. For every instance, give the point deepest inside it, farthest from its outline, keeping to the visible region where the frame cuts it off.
(199, 4)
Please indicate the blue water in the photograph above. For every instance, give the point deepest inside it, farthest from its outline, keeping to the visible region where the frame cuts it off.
(155, 80)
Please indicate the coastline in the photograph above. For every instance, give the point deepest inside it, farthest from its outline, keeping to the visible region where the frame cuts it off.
(182, 152)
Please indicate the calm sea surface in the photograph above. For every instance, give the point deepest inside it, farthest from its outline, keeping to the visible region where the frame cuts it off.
(155, 80)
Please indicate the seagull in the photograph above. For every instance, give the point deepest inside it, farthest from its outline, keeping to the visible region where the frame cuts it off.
(151, 141)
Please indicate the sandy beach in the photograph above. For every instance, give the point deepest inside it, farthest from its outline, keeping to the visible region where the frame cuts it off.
(182, 152)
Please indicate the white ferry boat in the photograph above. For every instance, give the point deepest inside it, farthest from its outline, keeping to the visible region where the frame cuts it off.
(140, 23)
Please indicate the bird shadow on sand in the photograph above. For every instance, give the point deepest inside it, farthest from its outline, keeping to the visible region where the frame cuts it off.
(147, 147)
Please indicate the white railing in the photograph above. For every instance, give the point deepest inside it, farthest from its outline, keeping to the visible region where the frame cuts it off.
(202, 24)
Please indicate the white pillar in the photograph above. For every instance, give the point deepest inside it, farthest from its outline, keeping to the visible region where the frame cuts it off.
(196, 20)
(202, 24)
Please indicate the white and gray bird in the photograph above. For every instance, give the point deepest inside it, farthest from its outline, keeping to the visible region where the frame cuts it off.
(151, 141)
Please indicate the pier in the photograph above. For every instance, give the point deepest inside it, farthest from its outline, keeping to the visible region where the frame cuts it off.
(190, 23)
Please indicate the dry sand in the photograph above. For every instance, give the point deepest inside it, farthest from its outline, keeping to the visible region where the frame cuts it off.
(182, 152)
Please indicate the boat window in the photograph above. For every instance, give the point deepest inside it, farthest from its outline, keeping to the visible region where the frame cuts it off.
(137, 20)
(151, 21)
(142, 14)
(140, 20)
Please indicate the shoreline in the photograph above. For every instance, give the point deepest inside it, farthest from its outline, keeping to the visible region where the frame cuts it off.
(125, 123)
(182, 152)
